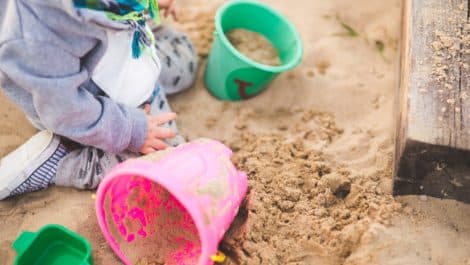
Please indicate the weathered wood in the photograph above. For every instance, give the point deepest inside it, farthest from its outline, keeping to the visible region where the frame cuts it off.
(433, 102)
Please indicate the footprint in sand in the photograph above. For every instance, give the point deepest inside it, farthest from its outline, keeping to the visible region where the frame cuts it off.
(361, 149)
(323, 66)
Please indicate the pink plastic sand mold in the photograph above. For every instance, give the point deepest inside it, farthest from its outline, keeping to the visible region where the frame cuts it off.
(178, 207)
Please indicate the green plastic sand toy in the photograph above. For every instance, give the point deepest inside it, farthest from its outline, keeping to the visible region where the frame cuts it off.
(52, 245)
(230, 75)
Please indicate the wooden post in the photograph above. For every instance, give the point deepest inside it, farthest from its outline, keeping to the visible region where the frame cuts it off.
(433, 103)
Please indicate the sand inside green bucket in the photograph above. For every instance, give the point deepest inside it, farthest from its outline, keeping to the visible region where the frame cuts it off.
(254, 46)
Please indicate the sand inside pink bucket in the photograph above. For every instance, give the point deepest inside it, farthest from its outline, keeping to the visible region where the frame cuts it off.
(150, 225)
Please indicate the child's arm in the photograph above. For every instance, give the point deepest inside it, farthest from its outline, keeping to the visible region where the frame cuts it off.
(54, 77)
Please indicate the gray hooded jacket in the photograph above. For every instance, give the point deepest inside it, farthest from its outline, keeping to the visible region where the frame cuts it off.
(47, 54)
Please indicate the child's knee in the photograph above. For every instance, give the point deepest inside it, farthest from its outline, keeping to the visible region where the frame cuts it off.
(187, 73)
(179, 61)
(183, 75)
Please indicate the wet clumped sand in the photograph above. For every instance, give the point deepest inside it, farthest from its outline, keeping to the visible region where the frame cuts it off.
(303, 206)
(317, 147)
(254, 46)
(200, 28)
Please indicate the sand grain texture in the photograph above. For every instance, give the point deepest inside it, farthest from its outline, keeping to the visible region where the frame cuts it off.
(317, 146)
(254, 46)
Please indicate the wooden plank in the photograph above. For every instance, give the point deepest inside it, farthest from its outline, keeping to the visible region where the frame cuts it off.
(433, 102)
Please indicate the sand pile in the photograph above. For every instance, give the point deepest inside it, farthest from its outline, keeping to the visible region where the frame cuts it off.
(254, 46)
(320, 176)
(303, 204)
(200, 28)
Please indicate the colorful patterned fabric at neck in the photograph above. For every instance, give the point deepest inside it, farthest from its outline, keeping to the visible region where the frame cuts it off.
(131, 12)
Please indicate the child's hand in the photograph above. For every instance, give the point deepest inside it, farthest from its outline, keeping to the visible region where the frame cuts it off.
(156, 133)
(169, 7)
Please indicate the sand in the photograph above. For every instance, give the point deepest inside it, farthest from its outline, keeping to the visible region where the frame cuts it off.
(254, 46)
(303, 200)
(317, 146)
(168, 227)
(446, 50)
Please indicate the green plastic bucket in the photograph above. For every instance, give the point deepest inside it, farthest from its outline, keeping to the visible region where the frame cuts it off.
(52, 245)
(229, 74)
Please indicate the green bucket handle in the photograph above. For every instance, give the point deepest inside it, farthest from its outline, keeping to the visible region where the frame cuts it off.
(23, 241)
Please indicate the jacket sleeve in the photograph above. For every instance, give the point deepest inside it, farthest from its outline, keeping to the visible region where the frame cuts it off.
(54, 78)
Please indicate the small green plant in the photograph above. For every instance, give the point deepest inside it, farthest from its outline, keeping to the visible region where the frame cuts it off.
(380, 46)
(350, 31)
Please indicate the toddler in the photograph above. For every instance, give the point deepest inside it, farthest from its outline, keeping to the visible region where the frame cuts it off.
(92, 76)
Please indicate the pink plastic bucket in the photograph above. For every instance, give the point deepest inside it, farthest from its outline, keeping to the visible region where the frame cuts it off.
(174, 210)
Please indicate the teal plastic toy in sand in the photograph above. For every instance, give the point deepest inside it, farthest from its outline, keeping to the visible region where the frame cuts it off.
(52, 245)
(230, 75)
